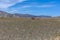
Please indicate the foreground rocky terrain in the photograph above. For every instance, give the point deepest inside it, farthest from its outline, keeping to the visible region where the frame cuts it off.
(29, 29)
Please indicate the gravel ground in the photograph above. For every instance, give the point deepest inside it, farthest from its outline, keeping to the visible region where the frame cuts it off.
(28, 29)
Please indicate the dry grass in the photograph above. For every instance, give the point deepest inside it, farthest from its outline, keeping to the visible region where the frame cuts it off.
(28, 29)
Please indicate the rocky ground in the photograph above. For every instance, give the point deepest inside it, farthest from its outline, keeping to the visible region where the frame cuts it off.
(29, 29)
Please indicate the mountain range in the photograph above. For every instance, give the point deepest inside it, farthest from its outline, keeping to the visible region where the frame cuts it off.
(6, 14)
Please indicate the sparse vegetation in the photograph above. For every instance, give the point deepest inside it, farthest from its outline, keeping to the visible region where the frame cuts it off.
(33, 18)
(28, 29)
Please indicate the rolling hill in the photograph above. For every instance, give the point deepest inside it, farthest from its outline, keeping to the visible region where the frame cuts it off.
(5, 14)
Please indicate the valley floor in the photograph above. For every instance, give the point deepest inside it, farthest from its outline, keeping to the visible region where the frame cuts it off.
(29, 29)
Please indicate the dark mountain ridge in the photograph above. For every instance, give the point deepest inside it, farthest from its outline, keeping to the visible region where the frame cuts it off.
(6, 14)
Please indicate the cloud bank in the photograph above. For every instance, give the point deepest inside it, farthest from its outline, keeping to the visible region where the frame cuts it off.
(7, 3)
(39, 6)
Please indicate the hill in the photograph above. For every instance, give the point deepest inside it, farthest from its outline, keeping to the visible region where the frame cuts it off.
(17, 15)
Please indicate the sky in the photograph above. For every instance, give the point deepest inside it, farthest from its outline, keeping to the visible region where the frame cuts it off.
(34, 7)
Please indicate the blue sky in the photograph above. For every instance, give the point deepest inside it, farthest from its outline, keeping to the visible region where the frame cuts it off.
(34, 7)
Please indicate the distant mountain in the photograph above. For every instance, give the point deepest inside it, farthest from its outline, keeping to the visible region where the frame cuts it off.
(24, 15)
(5, 14)
(28, 15)
(43, 16)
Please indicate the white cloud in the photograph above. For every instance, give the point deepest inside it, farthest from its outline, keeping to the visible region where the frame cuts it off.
(45, 6)
(26, 6)
(14, 11)
(39, 6)
(8, 3)
(34, 4)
